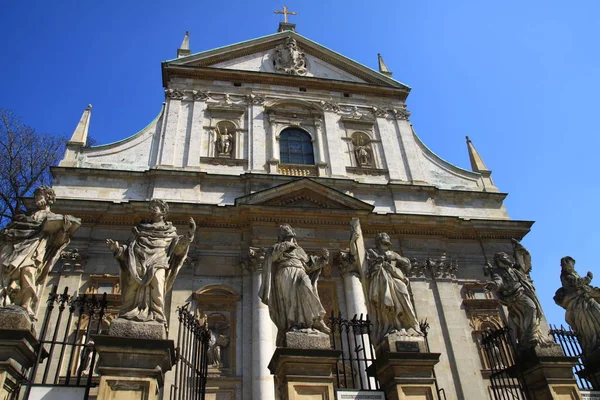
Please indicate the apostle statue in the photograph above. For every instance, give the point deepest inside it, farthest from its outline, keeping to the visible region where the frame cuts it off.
(388, 297)
(361, 152)
(149, 264)
(29, 247)
(511, 283)
(582, 304)
(289, 286)
(224, 141)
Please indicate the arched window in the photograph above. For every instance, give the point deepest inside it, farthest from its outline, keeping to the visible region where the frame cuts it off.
(295, 147)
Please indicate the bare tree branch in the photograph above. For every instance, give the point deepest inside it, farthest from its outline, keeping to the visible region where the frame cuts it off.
(25, 162)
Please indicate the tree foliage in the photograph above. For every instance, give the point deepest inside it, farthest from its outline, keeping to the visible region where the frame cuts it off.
(25, 160)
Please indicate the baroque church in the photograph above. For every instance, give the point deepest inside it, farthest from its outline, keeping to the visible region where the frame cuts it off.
(282, 130)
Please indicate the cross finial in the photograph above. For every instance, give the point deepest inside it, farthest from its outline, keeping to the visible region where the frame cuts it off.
(285, 13)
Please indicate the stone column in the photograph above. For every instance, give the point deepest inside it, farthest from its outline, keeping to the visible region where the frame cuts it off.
(407, 376)
(548, 374)
(17, 352)
(304, 374)
(262, 333)
(132, 368)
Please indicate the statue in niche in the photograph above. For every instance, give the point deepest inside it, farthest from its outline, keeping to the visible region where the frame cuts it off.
(582, 304)
(29, 248)
(388, 296)
(511, 283)
(289, 59)
(150, 262)
(362, 151)
(224, 141)
(289, 286)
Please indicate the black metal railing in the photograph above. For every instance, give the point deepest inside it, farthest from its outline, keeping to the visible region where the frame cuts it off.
(569, 342)
(66, 356)
(506, 378)
(191, 369)
(356, 368)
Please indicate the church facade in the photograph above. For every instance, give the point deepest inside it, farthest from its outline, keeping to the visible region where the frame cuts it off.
(279, 130)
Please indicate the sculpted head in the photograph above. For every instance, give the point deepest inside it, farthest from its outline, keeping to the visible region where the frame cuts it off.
(44, 196)
(568, 264)
(285, 232)
(502, 260)
(383, 240)
(158, 209)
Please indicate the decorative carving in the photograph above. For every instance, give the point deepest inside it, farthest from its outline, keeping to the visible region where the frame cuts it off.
(289, 286)
(253, 261)
(513, 286)
(174, 94)
(401, 113)
(289, 59)
(255, 99)
(330, 106)
(366, 171)
(298, 170)
(200, 95)
(582, 304)
(379, 112)
(438, 268)
(149, 263)
(388, 294)
(73, 259)
(29, 248)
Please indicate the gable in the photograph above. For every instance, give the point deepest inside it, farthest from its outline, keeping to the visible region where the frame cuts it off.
(287, 53)
(304, 193)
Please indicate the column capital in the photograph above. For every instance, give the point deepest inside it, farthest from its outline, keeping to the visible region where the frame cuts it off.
(347, 264)
(253, 260)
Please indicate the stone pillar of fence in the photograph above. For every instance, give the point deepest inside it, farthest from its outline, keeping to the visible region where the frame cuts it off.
(591, 370)
(132, 368)
(18, 352)
(548, 373)
(304, 373)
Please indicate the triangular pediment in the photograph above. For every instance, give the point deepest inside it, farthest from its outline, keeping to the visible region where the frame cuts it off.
(304, 193)
(269, 54)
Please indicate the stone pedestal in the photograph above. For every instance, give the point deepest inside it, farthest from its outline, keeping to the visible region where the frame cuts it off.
(591, 372)
(407, 375)
(548, 374)
(17, 351)
(132, 368)
(304, 374)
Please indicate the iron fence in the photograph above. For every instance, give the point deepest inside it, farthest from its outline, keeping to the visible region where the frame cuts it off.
(356, 368)
(506, 379)
(569, 342)
(191, 369)
(66, 356)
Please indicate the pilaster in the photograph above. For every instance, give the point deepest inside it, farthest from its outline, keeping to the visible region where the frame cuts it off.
(334, 144)
(197, 121)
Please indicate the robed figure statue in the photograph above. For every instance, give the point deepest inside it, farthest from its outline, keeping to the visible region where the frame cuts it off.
(511, 283)
(29, 248)
(388, 297)
(289, 286)
(150, 262)
(582, 304)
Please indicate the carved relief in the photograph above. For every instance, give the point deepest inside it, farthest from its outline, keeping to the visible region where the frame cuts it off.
(362, 149)
(330, 106)
(255, 99)
(401, 113)
(289, 59)
(200, 95)
(379, 112)
(73, 260)
(436, 268)
(253, 260)
(174, 94)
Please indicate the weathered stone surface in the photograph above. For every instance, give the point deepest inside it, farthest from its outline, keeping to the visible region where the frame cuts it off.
(307, 339)
(15, 318)
(403, 342)
(140, 330)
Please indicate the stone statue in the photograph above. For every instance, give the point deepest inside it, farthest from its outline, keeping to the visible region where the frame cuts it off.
(224, 142)
(289, 286)
(215, 345)
(289, 59)
(582, 304)
(511, 283)
(149, 265)
(29, 248)
(362, 154)
(388, 296)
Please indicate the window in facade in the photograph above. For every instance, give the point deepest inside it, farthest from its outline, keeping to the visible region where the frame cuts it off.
(295, 147)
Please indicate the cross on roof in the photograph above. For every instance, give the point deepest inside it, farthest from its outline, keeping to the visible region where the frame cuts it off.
(285, 13)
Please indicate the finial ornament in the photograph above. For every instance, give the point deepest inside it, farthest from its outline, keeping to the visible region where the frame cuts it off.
(285, 13)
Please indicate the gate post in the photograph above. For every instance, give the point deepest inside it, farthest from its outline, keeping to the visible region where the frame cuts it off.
(405, 376)
(131, 368)
(548, 373)
(18, 351)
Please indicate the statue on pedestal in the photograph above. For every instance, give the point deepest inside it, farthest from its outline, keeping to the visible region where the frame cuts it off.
(150, 262)
(582, 304)
(388, 296)
(511, 283)
(224, 142)
(29, 248)
(289, 286)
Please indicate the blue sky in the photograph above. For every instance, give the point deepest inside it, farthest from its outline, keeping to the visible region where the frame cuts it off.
(520, 78)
